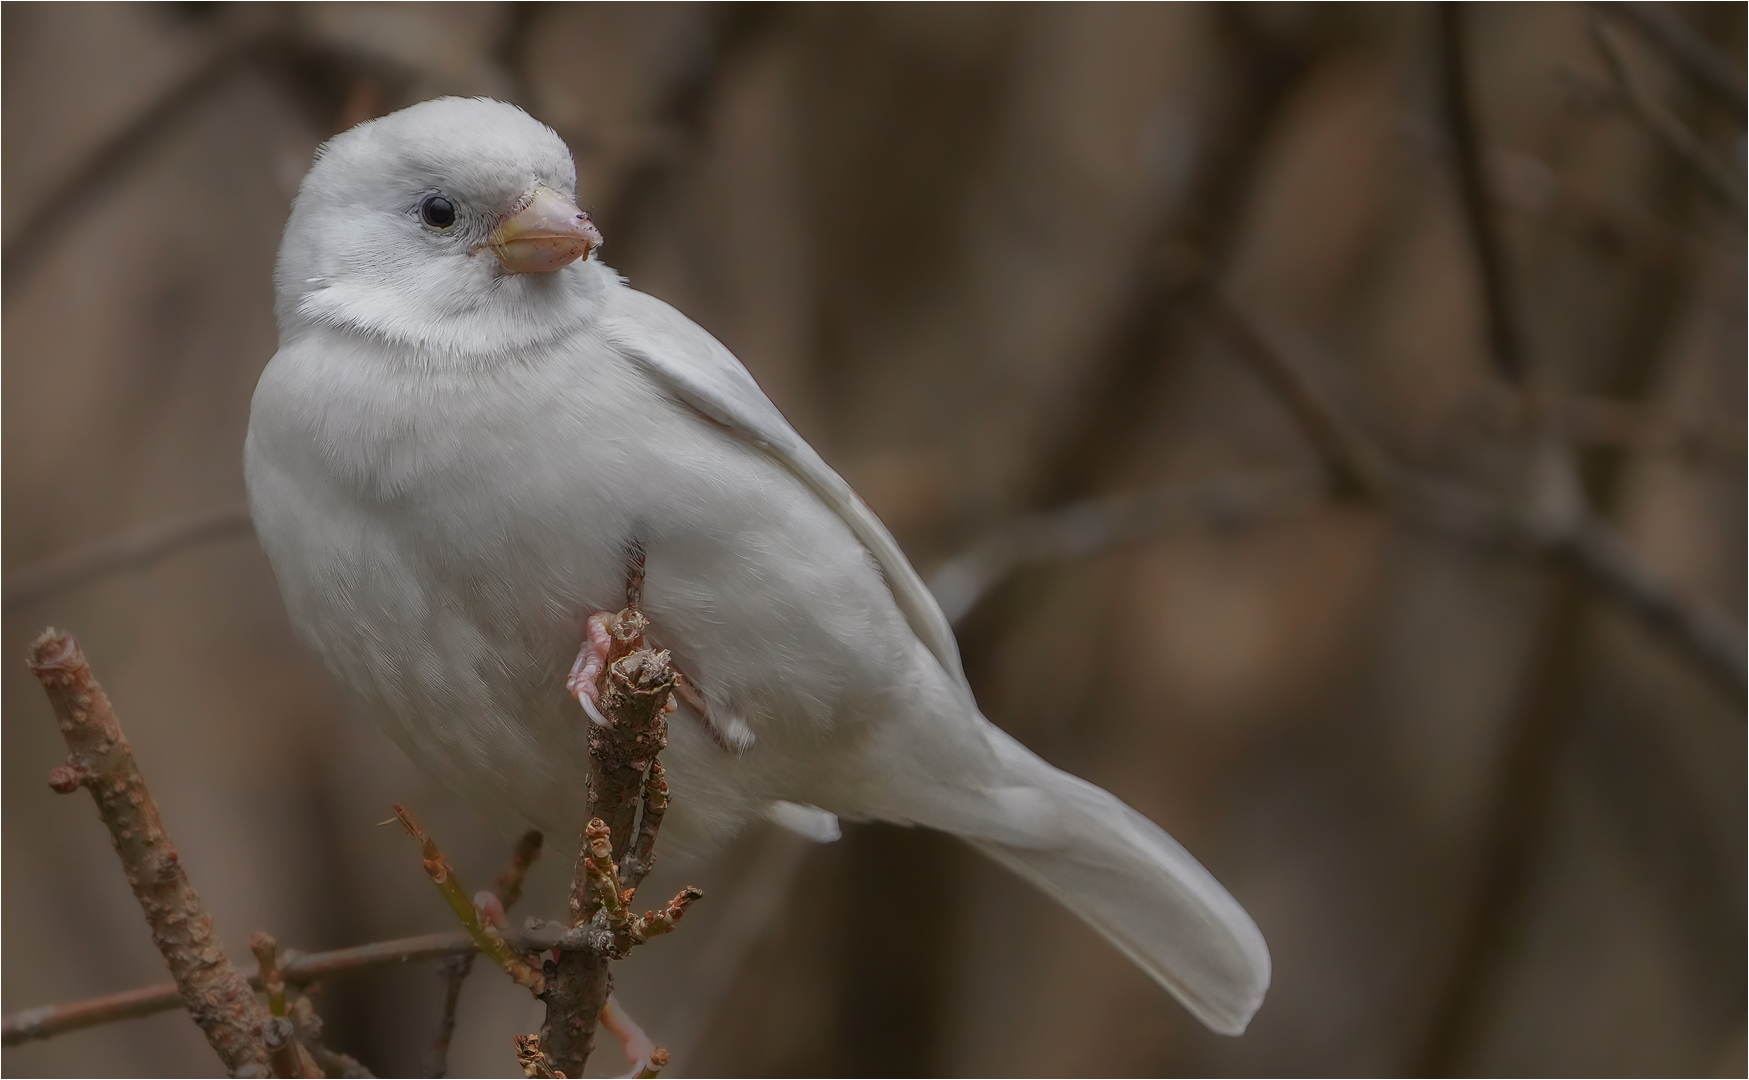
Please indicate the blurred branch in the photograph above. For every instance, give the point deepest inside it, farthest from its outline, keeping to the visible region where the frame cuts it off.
(1694, 626)
(1095, 526)
(121, 150)
(1628, 425)
(681, 117)
(1668, 32)
(1457, 108)
(100, 760)
(753, 904)
(134, 550)
(295, 969)
(1721, 178)
(504, 895)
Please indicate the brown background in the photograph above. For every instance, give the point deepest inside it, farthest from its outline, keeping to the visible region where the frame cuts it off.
(1487, 823)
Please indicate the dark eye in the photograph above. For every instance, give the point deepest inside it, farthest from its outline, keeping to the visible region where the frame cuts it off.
(437, 212)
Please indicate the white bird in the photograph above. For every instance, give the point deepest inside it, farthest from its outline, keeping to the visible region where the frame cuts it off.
(469, 419)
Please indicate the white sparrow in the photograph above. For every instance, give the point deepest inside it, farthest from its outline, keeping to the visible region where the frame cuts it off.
(469, 420)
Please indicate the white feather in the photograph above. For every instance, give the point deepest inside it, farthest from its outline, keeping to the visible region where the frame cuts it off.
(445, 464)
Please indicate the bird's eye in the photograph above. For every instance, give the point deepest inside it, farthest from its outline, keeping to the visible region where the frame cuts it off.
(437, 212)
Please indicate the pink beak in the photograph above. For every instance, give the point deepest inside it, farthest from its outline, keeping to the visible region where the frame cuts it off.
(543, 236)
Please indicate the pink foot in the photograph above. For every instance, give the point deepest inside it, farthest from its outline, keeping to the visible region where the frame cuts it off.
(589, 664)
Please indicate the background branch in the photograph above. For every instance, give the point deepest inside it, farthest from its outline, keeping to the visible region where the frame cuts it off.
(1667, 31)
(134, 550)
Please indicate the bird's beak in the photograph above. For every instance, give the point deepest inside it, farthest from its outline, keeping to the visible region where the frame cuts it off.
(544, 235)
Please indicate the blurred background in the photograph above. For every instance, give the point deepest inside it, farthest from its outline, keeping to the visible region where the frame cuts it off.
(1388, 358)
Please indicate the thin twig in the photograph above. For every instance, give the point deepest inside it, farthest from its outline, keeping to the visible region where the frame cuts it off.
(133, 550)
(295, 969)
(505, 893)
(1628, 425)
(455, 972)
(508, 887)
(1095, 526)
(532, 1058)
(634, 692)
(332, 1062)
(488, 937)
(1683, 46)
(1721, 178)
(1696, 627)
(110, 158)
(100, 760)
(1458, 110)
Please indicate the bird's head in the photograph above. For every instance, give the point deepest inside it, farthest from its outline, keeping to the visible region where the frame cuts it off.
(451, 225)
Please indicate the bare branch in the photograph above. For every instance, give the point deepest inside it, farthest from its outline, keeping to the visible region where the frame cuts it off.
(295, 969)
(1095, 526)
(522, 856)
(532, 1058)
(487, 937)
(309, 1029)
(1693, 625)
(455, 972)
(635, 690)
(1626, 425)
(115, 154)
(1683, 46)
(506, 892)
(1721, 178)
(100, 760)
(134, 550)
(1505, 342)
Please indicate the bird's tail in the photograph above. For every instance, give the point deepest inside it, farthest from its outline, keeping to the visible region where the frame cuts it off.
(1122, 874)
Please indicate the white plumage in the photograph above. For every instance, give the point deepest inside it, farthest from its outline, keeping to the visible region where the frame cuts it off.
(447, 460)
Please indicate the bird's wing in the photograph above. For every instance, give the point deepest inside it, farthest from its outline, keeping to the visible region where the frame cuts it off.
(705, 375)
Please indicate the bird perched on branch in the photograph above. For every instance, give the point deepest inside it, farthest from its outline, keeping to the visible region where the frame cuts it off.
(469, 422)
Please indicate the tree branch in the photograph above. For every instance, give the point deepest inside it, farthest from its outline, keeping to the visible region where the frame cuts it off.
(1683, 46)
(133, 550)
(297, 970)
(1721, 178)
(1695, 627)
(625, 783)
(1457, 110)
(1095, 526)
(100, 760)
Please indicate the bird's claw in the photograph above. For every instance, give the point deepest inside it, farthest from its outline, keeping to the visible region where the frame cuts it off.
(590, 662)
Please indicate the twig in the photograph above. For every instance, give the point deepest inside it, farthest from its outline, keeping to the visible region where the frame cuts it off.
(532, 1058)
(1723, 180)
(508, 887)
(299, 970)
(1095, 526)
(505, 893)
(100, 760)
(487, 937)
(455, 972)
(1460, 123)
(134, 550)
(1684, 47)
(261, 943)
(112, 156)
(1693, 625)
(284, 1055)
(309, 1029)
(636, 685)
(682, 116)
(1628, 425)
